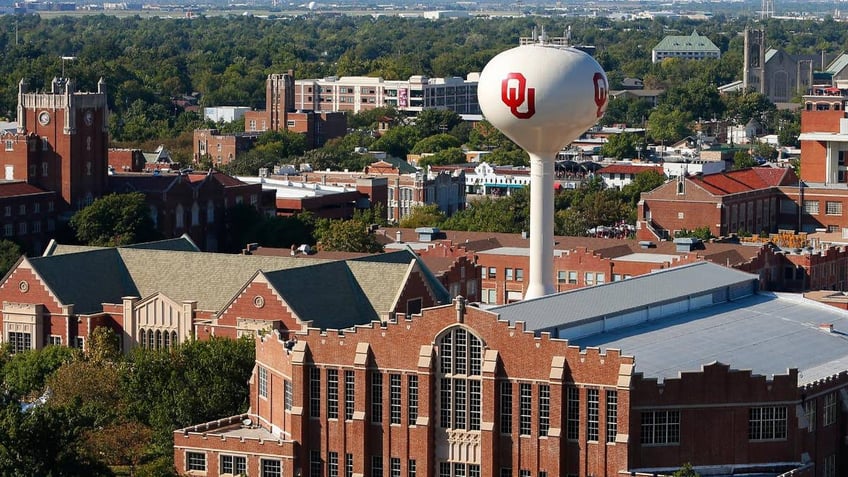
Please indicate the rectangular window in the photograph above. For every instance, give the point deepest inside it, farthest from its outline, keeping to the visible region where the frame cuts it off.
(316, 467)
(810, 414)
(588, 278)
(8, 211)
(833, 208)
(829, 469)
(767, 423)
(829, 409)
(600, 278)
(811, 207)
(8, 230)
(411, 471)
(519, 274)
(459, 401)
(288, 395)
(79, 342)
(523, 473)
(376, 397)
(474, 405)
(348, 465)
(445, 403)
(333, 395)
(660, 427)
(612, 415)
(314, 392)
(394, 398)
(55, 340)
(36, 207)
(10, 145)
(263, 382)
(412, 391)
(36, 227)
(376, 466)
(394, 464)
(573, 413)
(333, 464)
(196, 461)
(350, 394)
(592, 414)
(444, 469)
(525, 404)
(493, 273)
(506, 407)
(508, 274)
(233, 464)
(22, 209)
(562, 276)
(544, 409)
(271, 468)
(506, 471)
(20, 342)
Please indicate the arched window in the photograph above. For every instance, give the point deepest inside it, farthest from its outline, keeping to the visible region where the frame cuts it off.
(166, 338)
(158, 339)
(460, 365)
(154, 214)
(142, 336)
(210, 212)
(174, 339)
(180, 216)
(150, 342)
(195, 214)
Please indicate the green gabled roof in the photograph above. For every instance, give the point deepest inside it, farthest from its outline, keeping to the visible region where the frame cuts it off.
(183, 243)
(401, 165)
(86, 279)
(693, 42)
(838, 64)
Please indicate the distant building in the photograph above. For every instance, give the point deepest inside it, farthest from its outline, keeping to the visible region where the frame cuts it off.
(225, 114)
(773, 72)
(618, 175)
(221, 148)
(691, 47)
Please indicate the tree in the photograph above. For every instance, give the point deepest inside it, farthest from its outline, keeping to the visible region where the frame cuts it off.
(346, 236)
(703, 232)
(444, 157)
(686, 471)
(668, 125)
(435, 143)
(622, 146)
(114, 220)
(742, 160)
(431, 122)
(397, 141)
(26, 373)
(643, 182)
(10, 253)
(423, 216)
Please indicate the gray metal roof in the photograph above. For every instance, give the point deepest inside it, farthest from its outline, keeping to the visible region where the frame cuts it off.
(557, 310)
(765, 333)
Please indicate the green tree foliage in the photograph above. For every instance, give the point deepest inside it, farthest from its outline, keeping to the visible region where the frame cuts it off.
(250, 226)
(423, 216)
(643, 182)
(629, 111)
(435, 143)
(667, 125)
(686, 471)
(622, 146)
(397, 141)
(346, 236)
(115, 219)
(696, 98)
(10, 253)
(702, 233)
(271, 148)
(509, 214)
(444, 157)
(744, 106)
(743, 159)
(25, 374)
(431, 122)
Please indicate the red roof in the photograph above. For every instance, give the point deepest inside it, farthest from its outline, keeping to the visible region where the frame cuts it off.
(629, 169)
(12, 189)
(745, 180)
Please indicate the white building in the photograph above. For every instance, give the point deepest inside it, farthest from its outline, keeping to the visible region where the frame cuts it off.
(226, 114)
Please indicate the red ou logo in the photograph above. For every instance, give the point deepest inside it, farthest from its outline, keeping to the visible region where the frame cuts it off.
(601, 92)
(514, 92)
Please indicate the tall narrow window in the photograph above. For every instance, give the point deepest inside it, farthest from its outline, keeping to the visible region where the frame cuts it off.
(333, 464)
(573, 413)
(348, 465)
(544, 409)
(592, 414)
(263, 381)
(460, 362)
(394, 398)
(376, 466)
(412, 391)
(316, 467)
(410, 468)
(506, 407)
(314, 392)
(332, 394)
(288, 395)
(394, 463)
(350, 394)
(376, 397)
(612, 415)
(525, 405)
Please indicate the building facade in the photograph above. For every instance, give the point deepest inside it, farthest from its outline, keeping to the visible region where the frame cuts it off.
(692, 47)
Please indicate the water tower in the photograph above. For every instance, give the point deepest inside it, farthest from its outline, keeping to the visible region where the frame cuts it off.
(542, 97)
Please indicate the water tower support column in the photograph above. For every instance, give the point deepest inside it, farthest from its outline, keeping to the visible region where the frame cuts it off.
(541, 271)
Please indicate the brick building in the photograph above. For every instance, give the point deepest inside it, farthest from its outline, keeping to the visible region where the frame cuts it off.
(554, 386)
(741, 201)
(28, 215)
(159, 294)
(281, 113)
(221, 148)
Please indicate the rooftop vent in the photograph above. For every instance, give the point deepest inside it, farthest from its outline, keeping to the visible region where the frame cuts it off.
(645, 244)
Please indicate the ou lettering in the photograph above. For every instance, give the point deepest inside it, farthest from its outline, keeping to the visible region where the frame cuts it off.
(514, 93)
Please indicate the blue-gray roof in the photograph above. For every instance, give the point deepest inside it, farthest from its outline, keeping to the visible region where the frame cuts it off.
(765, 333)
(576, 306)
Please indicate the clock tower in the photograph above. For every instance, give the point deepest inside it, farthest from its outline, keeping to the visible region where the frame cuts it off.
(67, 141)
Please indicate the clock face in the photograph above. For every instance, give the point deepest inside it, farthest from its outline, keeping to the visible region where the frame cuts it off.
(44, 118)
(88, 118)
